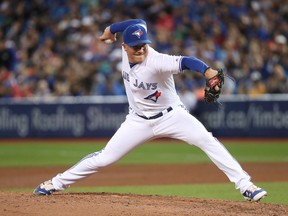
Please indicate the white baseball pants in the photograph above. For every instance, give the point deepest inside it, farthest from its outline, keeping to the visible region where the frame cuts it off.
(177, 124)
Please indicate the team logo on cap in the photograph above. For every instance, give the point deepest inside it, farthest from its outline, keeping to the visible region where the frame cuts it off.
(138, 33)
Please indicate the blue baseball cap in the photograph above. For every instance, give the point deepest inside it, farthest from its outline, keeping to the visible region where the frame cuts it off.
(135, 35)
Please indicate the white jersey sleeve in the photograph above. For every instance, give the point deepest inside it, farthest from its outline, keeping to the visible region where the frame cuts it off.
(164, 63)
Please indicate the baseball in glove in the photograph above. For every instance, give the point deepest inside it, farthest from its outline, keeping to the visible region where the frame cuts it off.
(211, 94)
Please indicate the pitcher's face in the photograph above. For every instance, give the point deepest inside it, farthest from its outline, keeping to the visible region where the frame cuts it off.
(136, 54)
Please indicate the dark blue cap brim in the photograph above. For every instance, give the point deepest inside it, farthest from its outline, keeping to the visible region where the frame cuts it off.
(135, 43)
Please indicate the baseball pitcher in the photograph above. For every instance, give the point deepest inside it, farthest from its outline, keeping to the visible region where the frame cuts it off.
(155, 111)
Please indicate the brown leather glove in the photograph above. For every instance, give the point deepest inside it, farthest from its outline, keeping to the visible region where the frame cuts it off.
(212, 93)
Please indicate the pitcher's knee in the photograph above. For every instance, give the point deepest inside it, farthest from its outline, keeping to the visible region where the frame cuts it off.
(204, 140)
(103, 160)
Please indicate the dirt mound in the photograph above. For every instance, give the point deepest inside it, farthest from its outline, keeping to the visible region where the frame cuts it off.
(109, 204)
(104, 204)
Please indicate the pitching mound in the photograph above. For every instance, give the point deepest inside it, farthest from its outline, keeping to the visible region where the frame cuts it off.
(103, 204)
(110, 204)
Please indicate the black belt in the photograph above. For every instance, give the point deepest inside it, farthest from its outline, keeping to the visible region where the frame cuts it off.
(157, 115)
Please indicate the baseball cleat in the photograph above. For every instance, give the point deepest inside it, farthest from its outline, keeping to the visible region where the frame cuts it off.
(46, 188)
(254, 193)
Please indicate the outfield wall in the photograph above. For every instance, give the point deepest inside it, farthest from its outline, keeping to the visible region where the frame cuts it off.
(97, 116)
(65, 117)
(242, 116)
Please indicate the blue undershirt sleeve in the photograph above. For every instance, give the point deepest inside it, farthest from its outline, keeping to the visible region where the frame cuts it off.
(194, 64)
(121, 26)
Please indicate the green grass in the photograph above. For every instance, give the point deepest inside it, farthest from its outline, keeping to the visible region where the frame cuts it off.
(61, 153)
(277, 191)
(53, 153)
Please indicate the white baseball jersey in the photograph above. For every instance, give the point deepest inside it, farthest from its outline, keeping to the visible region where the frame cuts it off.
(150, 85)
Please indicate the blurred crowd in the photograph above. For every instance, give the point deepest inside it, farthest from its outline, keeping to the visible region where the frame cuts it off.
(51, 47)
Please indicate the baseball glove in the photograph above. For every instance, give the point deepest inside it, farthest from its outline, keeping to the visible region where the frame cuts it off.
(211, 94)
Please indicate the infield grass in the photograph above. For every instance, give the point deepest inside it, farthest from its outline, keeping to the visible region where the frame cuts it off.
(277, 191)
(53, 153)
